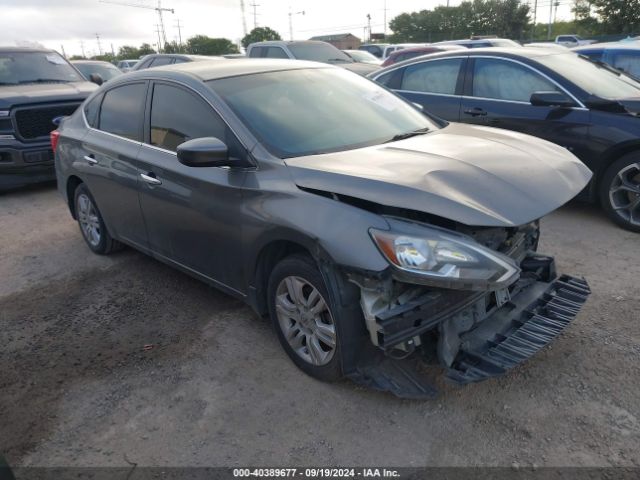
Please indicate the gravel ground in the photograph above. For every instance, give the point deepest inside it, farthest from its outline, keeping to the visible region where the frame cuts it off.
(77, 387)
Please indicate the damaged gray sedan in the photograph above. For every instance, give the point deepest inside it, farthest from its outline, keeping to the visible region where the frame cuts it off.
(373, 236)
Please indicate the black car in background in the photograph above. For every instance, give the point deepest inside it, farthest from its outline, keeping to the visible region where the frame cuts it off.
(583, 106)
(36, 86)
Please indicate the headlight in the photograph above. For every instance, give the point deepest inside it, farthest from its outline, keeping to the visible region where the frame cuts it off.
(445, 259)
(4, 113)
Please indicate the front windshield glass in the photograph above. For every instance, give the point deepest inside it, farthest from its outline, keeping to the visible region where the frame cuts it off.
(362, 56)
(35, 67)
(318, 52)
(107, 72)
(594, 79)
(311, 111)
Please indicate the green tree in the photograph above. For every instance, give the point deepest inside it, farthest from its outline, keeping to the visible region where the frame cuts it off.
(128, 52)
(618, 16)
(260, 34)
(203, 45)
(145, 49)
(505, 18)
(173, 47)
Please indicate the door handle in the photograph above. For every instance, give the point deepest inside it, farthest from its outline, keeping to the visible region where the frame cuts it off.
(90, 159)
(150, 179)
(476, 112)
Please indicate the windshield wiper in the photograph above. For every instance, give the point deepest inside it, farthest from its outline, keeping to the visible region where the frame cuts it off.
(413, 133)
(340, 60)
(44, 80)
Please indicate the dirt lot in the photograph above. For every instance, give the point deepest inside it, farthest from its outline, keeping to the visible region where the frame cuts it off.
(77, 388)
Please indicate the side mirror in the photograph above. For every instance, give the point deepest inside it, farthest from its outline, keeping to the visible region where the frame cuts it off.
(551, 99)
(96, 78)
(206, 152)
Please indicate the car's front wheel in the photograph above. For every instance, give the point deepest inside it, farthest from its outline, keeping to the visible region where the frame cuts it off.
(305, 318)
(91, 223)
(620, 191)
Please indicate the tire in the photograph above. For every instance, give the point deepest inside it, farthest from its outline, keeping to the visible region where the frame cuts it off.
(619, 191)
(306, 330)
(91, 224)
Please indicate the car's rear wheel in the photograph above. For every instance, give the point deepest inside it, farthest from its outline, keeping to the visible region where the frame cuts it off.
(305, 317)
(620, 192)
(91, 224)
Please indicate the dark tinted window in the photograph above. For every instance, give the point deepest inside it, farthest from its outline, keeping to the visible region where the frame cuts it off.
(256, 52)
(180, 60)
(171, 126)
(276, 52)
(159, 61)
(504, 80)
(91, 110)
(438, 76)
(122, 110)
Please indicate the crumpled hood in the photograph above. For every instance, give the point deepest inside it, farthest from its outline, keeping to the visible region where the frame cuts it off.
(477, 176)
(12, 95)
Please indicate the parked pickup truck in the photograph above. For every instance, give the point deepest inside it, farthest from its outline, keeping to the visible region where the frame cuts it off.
(36, 86)
(572, 40)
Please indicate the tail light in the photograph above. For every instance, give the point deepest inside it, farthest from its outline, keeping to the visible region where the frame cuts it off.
(54, 136)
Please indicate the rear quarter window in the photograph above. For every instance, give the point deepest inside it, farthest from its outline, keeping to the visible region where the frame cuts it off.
(122, 111)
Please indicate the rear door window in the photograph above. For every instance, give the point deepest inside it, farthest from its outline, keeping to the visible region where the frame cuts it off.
(256, 52)
(276, 52)
(122, 111)
(436, 76)
(159, 61)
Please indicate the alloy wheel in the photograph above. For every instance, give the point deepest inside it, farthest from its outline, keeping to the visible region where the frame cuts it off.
(305, 320)
(88, 219)
(624, 193)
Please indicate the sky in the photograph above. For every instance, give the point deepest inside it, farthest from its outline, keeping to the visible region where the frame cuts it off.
(73, 24)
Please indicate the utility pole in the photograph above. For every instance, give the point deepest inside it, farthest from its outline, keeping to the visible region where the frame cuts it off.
(291, 14)
(158, 9)
(179, 32)
(99, 46)
(385, 18)
(255, 13)
(550, 19)
(535, 16)
(244, 18)
(369, 25)
(82, 49)
(159, 42)
(113, 52)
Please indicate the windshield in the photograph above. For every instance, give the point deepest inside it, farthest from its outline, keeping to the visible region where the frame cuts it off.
(107, 72)
(305, 112)
(594, 79)
(362, 56)
(35, 67)
(318, 52)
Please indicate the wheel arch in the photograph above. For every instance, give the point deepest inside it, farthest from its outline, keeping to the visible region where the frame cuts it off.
(72, 183)
(609, 157)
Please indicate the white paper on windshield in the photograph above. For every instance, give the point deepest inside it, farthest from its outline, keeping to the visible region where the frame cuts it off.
(379, 98)
(55, 59)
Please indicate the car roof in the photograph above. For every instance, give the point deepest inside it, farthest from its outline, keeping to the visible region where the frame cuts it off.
(266, 43)
(624, 45)
(25, 50)
(505, 52)
(442, 47)
(88, 62)
(221, 68)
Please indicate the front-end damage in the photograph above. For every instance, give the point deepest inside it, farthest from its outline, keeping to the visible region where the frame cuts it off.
(474, 334)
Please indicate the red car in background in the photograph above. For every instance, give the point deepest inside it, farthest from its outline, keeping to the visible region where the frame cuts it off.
(407, 53)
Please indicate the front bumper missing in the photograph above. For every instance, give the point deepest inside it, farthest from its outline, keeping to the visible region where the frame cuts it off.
(540, 308)
(518, 330)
